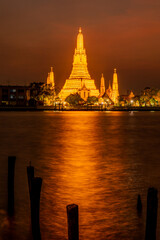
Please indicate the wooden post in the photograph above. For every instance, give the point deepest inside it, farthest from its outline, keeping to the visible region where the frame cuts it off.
(36, 184)
(73, 226)
(30, 174)
(139, 204)
(11, 167)
(151, 221)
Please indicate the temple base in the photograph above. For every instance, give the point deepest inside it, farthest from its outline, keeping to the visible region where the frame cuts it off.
(75, 85)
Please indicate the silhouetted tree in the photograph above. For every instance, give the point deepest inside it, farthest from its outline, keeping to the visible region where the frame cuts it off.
(92, 100)
(74, 99)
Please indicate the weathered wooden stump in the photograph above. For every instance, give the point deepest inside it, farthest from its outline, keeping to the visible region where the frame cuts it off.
(73, 226)
(152, 207)
(36, 184)
(11, 167)
(30, 174)
(139, 204)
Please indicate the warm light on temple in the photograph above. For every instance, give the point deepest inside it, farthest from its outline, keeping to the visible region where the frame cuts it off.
(102, 86)
(80, 80)
(80, 40)
(115, 91)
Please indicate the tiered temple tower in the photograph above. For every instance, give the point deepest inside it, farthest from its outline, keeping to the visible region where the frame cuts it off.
(109, 90)
(50, 78)
(80, 77)
(102, 86)
(115, 92)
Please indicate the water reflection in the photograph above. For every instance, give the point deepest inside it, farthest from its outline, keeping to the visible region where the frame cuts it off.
(93, 175)
(98, 160)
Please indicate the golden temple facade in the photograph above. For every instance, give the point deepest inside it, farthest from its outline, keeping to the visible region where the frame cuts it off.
(50, 78)
(102, 86)
(115, 91)
(80, 78)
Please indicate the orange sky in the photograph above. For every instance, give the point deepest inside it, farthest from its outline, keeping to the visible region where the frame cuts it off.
(42, 33)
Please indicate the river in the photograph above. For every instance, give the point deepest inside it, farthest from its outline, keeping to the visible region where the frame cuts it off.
(98, 160)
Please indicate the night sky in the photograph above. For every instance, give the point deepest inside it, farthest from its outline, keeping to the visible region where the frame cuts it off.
(38, 34)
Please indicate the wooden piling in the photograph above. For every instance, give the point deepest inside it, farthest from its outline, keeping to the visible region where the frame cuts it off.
(139, 204)
(36, 184)
(11, 167)
(73, 226)
(151, 221)
(30, 174)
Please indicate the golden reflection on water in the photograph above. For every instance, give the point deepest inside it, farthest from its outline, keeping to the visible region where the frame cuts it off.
(91, 173)
(98, 160)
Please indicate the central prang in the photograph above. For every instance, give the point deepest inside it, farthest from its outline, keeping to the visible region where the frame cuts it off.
(80, 80)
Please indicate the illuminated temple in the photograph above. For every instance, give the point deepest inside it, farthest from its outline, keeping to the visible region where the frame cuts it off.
(80, 80)
(115, 91)
(112, 92)
(50, 78)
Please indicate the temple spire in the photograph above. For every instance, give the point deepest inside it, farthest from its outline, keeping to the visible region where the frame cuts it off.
(80, 69)
(80, 44)
(115, 80)
(102, 87)
(80, 80)
(115, 92)
(50, 78)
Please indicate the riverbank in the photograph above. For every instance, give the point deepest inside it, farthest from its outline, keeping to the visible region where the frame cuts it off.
(81, 108)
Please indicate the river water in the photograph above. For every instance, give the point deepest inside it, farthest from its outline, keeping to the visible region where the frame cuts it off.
(98, 160)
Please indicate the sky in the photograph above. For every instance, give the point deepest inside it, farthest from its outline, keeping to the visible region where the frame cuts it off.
(122, 34)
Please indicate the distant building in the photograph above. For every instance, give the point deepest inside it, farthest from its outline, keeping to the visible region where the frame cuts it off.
(14, 95)
(131, 95)
(129, 100)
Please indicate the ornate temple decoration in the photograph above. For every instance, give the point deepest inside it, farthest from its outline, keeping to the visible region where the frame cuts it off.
(50, 78)
(102, 86)
(115, 91)
(80, 78)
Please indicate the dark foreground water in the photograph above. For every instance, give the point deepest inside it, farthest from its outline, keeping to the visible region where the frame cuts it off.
(98, 160)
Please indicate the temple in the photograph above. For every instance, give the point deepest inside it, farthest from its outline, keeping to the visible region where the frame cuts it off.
(50, 78)
(80, 80)
(109, 90)
(112, 92)
(102, 86)
(115, 91)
